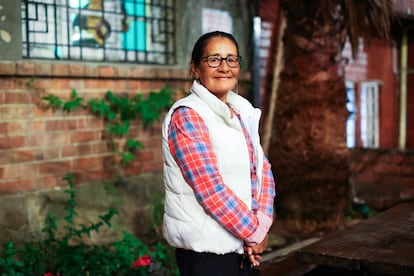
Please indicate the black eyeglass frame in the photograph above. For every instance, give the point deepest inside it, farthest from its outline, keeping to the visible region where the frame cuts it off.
(221, 60)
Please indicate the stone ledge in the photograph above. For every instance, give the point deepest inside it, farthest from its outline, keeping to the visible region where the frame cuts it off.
(82, 70)
(54, 69)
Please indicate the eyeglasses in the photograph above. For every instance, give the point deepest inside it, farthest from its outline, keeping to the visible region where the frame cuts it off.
(215, 61)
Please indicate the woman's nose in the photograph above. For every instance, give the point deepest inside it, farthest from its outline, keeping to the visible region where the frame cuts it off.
(224, 66)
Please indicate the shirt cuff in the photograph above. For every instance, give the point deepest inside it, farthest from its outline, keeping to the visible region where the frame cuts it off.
(264, 225)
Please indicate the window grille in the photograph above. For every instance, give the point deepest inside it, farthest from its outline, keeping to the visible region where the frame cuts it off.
(131, 31)
(370, 114)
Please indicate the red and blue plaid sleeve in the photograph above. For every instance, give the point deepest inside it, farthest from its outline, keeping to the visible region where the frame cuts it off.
(189, 143)
(268, 193)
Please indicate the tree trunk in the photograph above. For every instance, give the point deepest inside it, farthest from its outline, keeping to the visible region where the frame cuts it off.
(308, 147)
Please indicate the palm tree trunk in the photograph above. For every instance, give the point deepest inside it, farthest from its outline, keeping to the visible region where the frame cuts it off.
(308, 149)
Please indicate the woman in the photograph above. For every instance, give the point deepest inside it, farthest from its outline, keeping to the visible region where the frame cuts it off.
(219, 186)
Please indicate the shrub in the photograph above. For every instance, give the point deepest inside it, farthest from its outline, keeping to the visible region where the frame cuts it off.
(70, 252)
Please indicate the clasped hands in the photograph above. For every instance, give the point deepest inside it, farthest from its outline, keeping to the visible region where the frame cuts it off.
(253, 252)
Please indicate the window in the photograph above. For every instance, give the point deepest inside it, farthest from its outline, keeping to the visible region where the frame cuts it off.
(135, 31)
(351, 121)
(370, 114)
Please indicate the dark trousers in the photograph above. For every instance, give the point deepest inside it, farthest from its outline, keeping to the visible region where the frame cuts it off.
(192, 263)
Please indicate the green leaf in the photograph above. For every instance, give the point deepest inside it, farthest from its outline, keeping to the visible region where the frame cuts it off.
(73, 103)
(132, 145)
(54, 102)
(118, 129)
(127, 157)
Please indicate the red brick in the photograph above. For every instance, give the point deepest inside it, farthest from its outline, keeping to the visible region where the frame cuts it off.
(84, 136)
(17, 171)
(43, 111)
(77, 178)
(47, 139)
(57, 125)
(25, 185)
(76, 70)
(9, 97)
(99, 148)
(25, 98)
(60, 69)
(15, 127)
(88, 163)
(36, 126)
(43, 69)
(107, 71)
(3, 128)
(45, 182)
(54, 168)
(145, 156)
(50, 154)
(9, 187)
(7, 157)
(26, 69)
(7, 68)
(68, 151)
(133, 169)
(126, 72)
(153, 143)
(80, 110)
(107, 84)
(93, 123)
(17, 98)
(94, 175)
(121, 85)
(91, 83)
(76, 84)
(146, 167)
(24, 155)
(11, 142)
(7, 83)
(61, 86)
(84, 149)
(92, 71)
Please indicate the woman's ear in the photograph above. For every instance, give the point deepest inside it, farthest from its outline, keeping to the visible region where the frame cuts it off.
(194, 70)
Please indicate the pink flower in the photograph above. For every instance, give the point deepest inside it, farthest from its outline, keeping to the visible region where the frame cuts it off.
(51, 274)
(142, 261)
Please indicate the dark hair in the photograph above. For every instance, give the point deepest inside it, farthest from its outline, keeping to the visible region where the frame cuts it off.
(203, 40)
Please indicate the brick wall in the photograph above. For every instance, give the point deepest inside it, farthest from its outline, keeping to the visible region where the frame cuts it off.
(38, 146)
(382, 178)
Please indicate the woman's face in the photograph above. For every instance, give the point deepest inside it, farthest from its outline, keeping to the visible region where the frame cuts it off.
(223, 78)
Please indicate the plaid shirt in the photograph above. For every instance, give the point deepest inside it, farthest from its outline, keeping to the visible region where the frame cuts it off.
(189, 143)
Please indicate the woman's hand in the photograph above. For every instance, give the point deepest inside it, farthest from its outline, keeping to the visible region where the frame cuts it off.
(253, 252)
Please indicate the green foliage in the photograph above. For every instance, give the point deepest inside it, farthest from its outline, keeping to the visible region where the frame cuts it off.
(360, 211)
(71, 252)
(73, 103)
(118, 112)
(54, 102)
(8, 263)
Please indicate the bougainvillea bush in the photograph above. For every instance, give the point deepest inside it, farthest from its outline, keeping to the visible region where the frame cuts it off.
(58, 254)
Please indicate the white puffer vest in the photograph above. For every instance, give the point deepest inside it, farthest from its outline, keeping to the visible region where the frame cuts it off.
(186, 224)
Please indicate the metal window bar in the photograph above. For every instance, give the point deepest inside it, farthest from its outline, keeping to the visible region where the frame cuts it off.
(129, 31)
